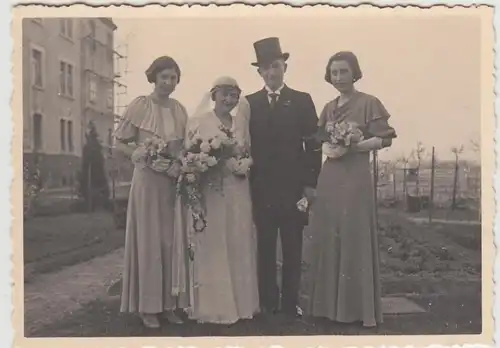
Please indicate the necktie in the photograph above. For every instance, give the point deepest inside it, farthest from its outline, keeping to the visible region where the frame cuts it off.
(274, 99)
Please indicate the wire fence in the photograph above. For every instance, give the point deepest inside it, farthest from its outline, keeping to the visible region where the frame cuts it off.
(440, 184)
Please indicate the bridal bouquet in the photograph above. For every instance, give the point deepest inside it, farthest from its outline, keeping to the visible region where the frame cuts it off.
(202, 160)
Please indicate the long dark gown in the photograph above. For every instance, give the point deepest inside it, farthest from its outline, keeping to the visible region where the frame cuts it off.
(344, 285)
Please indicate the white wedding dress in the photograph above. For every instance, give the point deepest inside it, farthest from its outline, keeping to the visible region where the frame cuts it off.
(224, 269)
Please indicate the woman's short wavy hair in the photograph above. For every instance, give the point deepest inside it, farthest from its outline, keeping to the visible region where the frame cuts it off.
(160, 64)
(351, 59)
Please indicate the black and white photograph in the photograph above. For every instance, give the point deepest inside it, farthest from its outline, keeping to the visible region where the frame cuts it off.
(238, 171)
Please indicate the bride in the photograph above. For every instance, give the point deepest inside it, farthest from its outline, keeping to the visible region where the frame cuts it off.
(223, 270)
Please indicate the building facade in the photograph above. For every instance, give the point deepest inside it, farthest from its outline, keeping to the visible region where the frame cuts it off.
(68, 70)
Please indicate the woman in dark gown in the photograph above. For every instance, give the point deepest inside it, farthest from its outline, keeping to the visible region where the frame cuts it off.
(345, 283)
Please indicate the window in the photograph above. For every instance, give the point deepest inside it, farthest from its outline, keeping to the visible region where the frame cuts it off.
(37, 131)
(69, 27)
(62, 78)
(109, 99)
(66, 79)
(109, 44)
(62, 26)
(110, 140)
(62, 130)
(92, 37)
(66, 27)
(69, 75)
(92, 88)
(37, 67)
(70, 136)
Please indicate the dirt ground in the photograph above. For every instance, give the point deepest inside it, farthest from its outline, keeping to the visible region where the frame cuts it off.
(438, 266)
(458, 312)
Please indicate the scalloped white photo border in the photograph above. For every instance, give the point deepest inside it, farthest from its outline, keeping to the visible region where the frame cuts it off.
(6, 133)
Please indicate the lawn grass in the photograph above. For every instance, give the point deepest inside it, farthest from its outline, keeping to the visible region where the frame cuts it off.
(53, 242)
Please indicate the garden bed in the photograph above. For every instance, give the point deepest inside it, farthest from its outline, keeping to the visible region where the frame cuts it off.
(420, 258)
(438, 250)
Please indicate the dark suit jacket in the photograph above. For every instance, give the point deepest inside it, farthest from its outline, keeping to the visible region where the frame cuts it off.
(285, 161)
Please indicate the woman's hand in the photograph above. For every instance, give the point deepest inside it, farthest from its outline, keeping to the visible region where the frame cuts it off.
(161, 165)
(310, 194)
(332, 151)
(368, 145)
(138, 155)
(174, 170)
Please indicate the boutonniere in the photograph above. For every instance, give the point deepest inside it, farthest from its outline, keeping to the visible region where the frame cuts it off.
(286, 103)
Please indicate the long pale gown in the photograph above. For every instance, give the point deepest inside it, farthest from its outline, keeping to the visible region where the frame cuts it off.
(147, 276)
(224, 269)
(344, 284)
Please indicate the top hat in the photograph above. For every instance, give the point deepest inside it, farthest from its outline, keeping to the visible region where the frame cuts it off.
(268, 50)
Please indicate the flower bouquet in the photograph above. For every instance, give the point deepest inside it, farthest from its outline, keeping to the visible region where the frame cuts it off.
(340, 136)
(303, 204)
(154, 149)
(343, 133)
(202, 160)
(240, 163)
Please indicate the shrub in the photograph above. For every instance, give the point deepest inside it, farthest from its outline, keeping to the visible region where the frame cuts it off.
(93, 183)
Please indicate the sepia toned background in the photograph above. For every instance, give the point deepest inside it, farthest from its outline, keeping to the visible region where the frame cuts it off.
(428, 68)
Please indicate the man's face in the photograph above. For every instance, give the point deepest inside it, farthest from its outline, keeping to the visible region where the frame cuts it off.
(273, 73)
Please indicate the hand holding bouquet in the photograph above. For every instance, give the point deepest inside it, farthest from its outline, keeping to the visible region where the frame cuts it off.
(341, 137)
(240, 164)
(159, 155)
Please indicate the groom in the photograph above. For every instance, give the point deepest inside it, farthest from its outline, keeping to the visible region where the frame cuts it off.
(285, 169)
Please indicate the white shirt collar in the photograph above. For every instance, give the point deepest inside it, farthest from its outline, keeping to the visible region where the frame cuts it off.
(278, 91)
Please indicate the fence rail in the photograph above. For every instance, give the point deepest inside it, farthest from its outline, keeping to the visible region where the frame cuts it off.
(442, 184)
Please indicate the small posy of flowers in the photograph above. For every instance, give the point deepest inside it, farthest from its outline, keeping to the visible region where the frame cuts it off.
(303, 204)
(156, 148)
(240, 164)
(343, 133)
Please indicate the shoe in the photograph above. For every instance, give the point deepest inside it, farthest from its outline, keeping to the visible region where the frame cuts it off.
(172, 318)
(150, 321)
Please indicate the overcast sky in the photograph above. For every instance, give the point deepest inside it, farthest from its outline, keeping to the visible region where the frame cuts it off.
(425, 69)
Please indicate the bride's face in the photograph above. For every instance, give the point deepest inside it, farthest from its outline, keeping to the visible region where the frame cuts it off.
(226, 98)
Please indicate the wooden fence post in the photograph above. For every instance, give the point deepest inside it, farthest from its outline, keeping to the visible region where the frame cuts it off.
(455, 184)
(375, 185)
(431, 195)
(394, 186)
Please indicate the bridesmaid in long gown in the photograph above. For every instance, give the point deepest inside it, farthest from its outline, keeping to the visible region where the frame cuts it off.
(147, 276)
(345, 283)
(224, 269)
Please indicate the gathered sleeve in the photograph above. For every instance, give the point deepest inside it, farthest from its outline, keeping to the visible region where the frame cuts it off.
(377, 120)
(128, 127)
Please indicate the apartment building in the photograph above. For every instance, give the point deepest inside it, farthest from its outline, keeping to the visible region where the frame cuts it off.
(68, 70)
